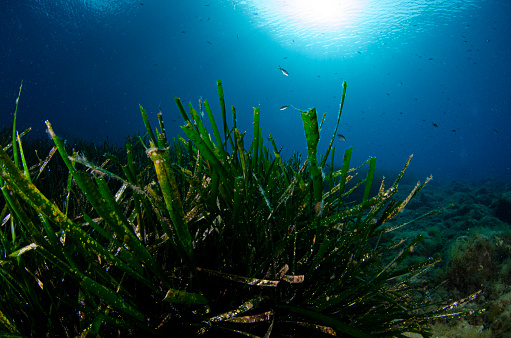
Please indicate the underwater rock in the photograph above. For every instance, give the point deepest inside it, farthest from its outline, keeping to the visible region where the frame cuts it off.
(484, 197)
(472, 263)
(460, 187)
(499, 315)
(503, 208)
(491, 223)
(462, 329)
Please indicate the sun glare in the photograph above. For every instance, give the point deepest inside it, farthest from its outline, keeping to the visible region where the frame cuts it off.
(317, 15)
(323, 14)
(344, 27)
(307, 24)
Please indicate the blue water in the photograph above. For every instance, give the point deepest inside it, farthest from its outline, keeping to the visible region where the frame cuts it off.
(430, 78)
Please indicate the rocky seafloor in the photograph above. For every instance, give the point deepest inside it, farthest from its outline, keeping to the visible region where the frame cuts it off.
(473, 237)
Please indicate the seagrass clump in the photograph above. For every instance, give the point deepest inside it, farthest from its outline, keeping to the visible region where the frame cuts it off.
(208, 235)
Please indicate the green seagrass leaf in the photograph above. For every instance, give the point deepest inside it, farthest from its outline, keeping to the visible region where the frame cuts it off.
(248, 305)
(310, 125)
(11, 328)
(181, 108)
(182, 297)
(23, 250)
(172, 199)
(329, 321)
(344, 171)
(260, 317)
(255, 147)
(107, 295)
(325, 158)
(242, 279)
(208, 154)
(221, 98)
(147, 125)
(14, 144)
(216, 133)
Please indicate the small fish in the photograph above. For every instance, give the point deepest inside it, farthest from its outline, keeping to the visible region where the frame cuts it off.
(435, 125)
(495, 131)
(284, 107)
(283, 71)
(341, 137)
(454, 131)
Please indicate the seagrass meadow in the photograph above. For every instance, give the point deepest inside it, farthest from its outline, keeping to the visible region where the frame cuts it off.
(211, 235)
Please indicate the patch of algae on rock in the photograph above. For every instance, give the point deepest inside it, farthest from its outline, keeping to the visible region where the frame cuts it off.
(462, 329)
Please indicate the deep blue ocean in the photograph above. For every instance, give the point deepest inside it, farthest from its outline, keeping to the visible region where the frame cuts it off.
(429, 78)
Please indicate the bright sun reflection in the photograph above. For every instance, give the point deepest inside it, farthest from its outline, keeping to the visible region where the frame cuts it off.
(324, 15)
(346, 27)
(307, 24)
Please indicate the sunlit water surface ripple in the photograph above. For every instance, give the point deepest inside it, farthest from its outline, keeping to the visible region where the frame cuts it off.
(340, 28)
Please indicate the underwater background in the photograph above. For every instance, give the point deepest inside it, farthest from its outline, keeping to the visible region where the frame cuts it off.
(429, 78)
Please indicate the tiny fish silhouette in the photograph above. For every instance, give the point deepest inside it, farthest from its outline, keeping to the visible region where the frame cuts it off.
(283, 107)
(435, 125)
(283, 71)
(341, 137)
